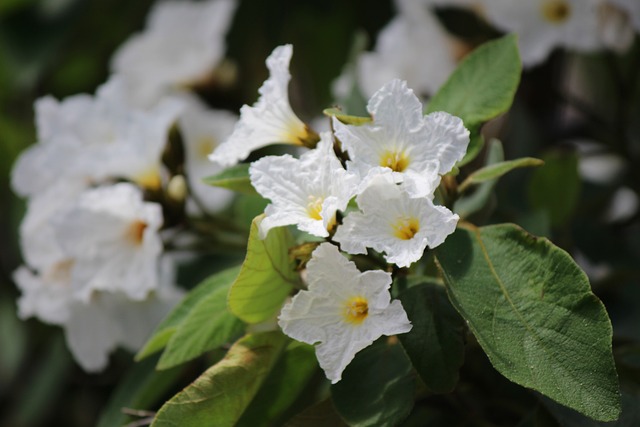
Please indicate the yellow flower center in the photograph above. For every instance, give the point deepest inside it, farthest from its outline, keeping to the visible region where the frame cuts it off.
(396, 161)
(405, 228)
(300, 134)
(314, 207)
(205, 146)
(149, 179)
(556, 11)
(135, 233)
(356, 310)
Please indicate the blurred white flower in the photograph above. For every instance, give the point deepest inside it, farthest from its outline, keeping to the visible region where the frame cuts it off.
(543, 25)
(393, 223)
(343, 311)
(306, 192)
(632, 8)
(88, 140)
(616, 26)
(182, 43)
(202, 131)
(270, 120)
(112, 236)
(413, 47)
(417, 148)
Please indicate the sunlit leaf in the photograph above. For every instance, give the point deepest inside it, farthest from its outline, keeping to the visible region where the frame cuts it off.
(208, 325)
(345, 118)
(532, 310)
(483, 85)
(170, 324)
(235, 178)
(267, 275)
(220, 395)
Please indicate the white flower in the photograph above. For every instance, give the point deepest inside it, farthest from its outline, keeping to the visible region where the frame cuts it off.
(270, 120)
(112, 236)
(616, 25)
(543, 25)
(202, 130)
(418, 149)
(393, 223)
(343, 310)
(88, 140)
(182, 44)
(109, 320)
(306, 191)
(632, 8)
(413, 47)
(48, 296)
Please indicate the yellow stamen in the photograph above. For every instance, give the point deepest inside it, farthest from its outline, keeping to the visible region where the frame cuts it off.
(314, 207)
(397, 161)
(405, 228)
(150, 179)
(135, 233)
(556, 11)
(205, 146)
(356, 310)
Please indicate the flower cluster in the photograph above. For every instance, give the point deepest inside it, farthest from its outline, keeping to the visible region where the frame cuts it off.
(98, 190)
(395, 163)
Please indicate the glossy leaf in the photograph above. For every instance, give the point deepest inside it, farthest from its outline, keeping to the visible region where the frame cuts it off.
(496, 170)
(435, 344)
(483, 85)
(235, 178)
(208, 325)
(170, 324)
(377, 387)
(267, 275)
(221, 394)
(532, 310)
(322, 414)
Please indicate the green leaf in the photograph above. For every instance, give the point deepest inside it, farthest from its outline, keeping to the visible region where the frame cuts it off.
(476, 143)
(322, 414)
(471, 203)
(435, 344)
(496, 170)
(532, 310)
(142, 387)
(170, 324)
(208, 325)
(235, 178)
(556, 187)
(377, 387)
(282, 387)
(267, 275)
(483, 85)
(221, 394)
(345, 118)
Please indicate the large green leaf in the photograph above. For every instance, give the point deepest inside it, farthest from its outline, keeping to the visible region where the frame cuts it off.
(282, 387)
(170, 324)
(235, 178)
(321, 414)
(208, 325)
(483, 85)
(435, 344)
(266, 277)
(532, 310)
(555, 187)
(377, 387)
(220, 395)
